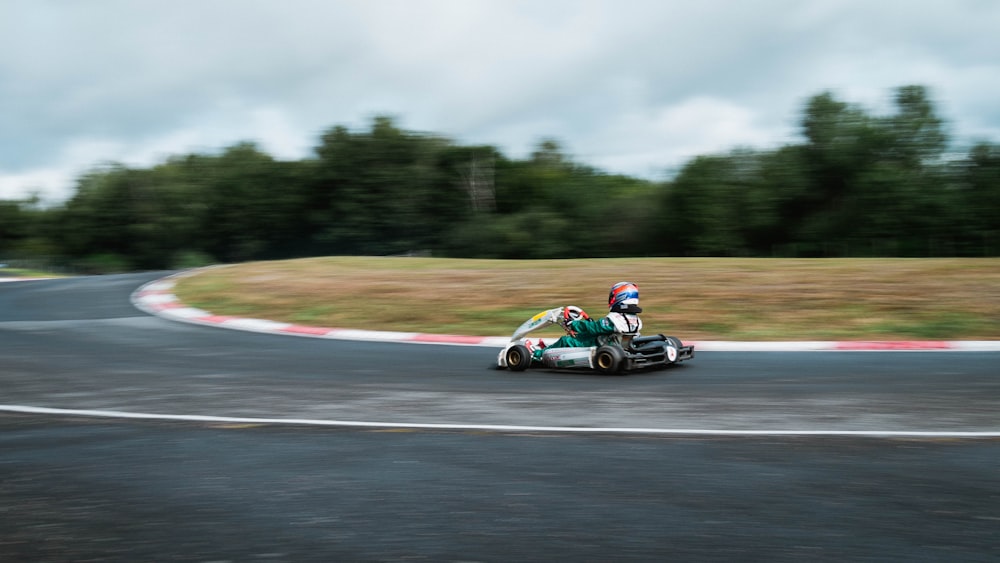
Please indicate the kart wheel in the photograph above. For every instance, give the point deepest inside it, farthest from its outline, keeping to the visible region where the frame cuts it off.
(609, 359)
(672, 348)
(671, 353)
(518, 358)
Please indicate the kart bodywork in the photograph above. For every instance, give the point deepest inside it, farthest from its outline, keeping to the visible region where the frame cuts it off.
(615, 353)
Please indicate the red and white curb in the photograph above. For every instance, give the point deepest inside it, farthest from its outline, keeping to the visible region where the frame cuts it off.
(157, 298)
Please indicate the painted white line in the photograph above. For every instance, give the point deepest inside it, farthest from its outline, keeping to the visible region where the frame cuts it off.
(256, 325)
(22, 279)
(735, 346)
(495, 341)
(182, 313)
(977, 345)
(373, 335)
(159, 298)
(496, 427)
(162, 285)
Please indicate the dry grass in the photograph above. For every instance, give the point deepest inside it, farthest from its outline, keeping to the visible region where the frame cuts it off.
(697, 299)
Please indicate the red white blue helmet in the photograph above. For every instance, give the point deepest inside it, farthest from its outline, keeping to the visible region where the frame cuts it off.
(624, 298)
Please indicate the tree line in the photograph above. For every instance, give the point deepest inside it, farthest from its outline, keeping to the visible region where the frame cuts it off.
(856, 185)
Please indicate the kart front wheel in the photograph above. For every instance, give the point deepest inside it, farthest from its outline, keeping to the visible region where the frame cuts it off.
(609, 359)
(518, 357)
(672, 349)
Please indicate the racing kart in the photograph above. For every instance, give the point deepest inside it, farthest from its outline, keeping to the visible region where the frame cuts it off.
(615, 353)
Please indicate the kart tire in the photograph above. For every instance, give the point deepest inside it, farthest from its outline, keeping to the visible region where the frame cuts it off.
(518, 357)
(672, 349)
(609, 359)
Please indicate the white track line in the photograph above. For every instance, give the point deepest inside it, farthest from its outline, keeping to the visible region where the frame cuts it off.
(495, 427)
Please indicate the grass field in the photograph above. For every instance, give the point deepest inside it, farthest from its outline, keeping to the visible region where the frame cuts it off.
(694, 298)
(24, 273)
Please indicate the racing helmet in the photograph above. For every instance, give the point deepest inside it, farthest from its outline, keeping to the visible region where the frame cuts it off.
(624, 298)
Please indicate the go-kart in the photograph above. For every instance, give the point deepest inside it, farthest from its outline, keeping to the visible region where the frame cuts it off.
(614, 354)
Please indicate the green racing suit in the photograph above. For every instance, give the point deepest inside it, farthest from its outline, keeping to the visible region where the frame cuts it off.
(584, 333)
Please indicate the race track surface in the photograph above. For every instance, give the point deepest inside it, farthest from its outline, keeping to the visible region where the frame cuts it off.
(693, 462)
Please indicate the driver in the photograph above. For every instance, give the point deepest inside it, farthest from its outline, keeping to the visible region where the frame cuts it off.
(582, 331)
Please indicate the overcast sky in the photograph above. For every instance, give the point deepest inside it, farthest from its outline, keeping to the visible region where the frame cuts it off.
(628, 86)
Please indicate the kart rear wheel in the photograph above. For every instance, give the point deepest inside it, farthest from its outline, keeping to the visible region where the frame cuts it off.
(609, 359)
(518, 357)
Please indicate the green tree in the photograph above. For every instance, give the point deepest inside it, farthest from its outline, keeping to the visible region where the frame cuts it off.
(979, 200)
(103, 218)
(874, 179)
(251, 204)
(704, 205)
(857, 184)
(383, 191)
(14, 227)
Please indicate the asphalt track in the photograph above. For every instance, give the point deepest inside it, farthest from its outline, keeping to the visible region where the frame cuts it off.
(285, 448)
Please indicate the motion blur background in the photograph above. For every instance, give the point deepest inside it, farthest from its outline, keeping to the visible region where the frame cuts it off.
(150, 135)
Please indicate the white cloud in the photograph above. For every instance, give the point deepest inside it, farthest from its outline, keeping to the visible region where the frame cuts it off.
(637, 87)
(49, 183)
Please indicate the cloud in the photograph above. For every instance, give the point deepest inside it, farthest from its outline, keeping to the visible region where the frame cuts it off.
(636, 87)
